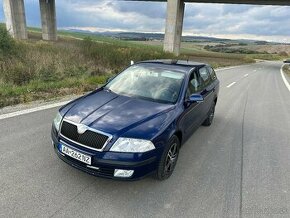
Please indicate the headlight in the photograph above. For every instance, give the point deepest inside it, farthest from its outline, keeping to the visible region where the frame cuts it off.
(132, 145)
(57, 121)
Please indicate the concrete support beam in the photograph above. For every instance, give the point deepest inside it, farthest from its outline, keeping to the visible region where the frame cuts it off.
(48, 19)
(251, 2)
(15, 18)
(174, 24)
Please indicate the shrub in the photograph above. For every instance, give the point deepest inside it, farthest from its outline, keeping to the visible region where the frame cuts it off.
(48, 73)
(6, 42)
(19, 74)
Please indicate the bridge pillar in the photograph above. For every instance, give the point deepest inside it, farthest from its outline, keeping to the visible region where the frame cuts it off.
(48, 19)
(15, 18)
(174, 24)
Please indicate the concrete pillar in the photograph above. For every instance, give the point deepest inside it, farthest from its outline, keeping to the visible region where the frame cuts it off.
(174, 24)
(15, 18)
(48, 19)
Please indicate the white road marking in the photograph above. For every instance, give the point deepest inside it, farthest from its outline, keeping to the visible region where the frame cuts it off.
(246, 75)
(233, 67)
(284, 79)
(226, 68)
(31, 110)
(233, 83)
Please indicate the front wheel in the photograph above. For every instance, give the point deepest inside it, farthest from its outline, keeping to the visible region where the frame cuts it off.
(209, 119)
(169, 159)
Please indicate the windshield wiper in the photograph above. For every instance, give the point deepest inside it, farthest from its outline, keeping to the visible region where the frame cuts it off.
(107, 89)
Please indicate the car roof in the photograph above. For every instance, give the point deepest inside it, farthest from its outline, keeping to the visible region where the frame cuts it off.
(176, 63)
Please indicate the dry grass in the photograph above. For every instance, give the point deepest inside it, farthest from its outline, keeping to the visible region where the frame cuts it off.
(34, 69)
(286, 69)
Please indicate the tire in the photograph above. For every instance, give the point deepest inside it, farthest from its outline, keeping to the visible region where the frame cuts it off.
(168, 159)
(209, 119)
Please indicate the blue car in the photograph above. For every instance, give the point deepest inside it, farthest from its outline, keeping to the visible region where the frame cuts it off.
(136, 123)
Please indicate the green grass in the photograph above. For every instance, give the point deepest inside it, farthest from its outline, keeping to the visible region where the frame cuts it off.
(42, 90)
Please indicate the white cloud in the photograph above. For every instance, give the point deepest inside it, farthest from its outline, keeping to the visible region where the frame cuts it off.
(233, 21)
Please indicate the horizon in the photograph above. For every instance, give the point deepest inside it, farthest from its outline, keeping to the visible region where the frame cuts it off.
(93, 30)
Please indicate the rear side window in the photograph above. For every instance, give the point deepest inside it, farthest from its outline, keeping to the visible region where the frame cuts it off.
(211, 73)
(194, 84)
(204, 74)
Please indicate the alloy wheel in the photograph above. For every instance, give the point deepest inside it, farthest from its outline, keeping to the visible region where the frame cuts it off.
(171, 158)
(211, 115)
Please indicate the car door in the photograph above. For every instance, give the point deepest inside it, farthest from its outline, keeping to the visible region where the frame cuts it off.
(191, 118)
(207, 91)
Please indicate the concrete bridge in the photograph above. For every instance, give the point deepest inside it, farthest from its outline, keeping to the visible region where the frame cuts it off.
(16, 22)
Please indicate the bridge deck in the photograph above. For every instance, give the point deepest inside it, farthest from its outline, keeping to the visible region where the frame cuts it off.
(253, 2)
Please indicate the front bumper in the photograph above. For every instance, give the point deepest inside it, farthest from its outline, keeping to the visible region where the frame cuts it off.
(104, 163)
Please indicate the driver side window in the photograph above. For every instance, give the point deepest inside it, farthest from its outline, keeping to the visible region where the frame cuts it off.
(204, 76)
(194, 84)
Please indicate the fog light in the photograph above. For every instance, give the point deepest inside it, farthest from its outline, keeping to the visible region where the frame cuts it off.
(123, 173)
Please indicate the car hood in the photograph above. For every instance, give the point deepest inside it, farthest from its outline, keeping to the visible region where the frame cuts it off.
(117, 114)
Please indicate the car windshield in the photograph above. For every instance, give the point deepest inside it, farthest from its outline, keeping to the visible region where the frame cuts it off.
(148, 82)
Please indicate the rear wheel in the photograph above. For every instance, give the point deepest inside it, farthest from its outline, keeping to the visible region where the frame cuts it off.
(209, 119)
(169, 159)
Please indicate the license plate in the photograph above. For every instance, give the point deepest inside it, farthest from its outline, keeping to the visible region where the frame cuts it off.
(76, 155)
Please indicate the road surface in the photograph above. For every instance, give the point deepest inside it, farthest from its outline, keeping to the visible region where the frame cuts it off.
(238, 167)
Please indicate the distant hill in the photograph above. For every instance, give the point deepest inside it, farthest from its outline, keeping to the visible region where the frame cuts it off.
(137, 36)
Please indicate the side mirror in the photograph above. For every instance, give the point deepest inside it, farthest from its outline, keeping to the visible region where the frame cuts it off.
(195, 98)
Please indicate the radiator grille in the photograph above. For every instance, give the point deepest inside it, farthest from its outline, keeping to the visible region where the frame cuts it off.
(88, 138)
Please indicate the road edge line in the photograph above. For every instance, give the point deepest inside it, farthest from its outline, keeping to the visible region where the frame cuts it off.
(230, 85)
(32, 110)
(284, 78)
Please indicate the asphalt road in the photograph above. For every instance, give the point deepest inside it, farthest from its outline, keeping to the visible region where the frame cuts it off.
(238, 167)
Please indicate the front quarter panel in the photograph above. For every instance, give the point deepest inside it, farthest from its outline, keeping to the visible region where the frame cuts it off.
(153, 128)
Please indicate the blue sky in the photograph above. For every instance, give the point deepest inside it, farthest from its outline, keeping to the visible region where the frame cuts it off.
(218, 20)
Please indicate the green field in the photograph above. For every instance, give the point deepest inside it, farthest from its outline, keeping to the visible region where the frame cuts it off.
(76, 63)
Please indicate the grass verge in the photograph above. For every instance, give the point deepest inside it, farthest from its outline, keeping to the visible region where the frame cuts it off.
(286, 69)
(42, 90)
(38, 70)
